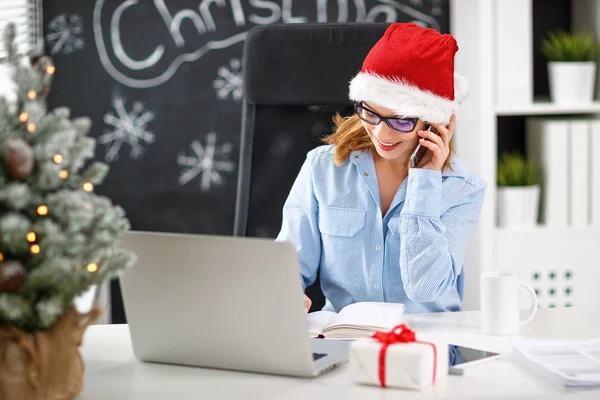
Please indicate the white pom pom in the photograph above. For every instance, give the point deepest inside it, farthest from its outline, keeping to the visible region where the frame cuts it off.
(461, 88)
(8, 87)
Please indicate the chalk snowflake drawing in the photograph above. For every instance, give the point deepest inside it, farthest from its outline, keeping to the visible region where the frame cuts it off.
(65, 34)
(229, 80)
(208, 161)
(129, 127)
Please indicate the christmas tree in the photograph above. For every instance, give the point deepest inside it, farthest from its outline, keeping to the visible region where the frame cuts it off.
(57, 237)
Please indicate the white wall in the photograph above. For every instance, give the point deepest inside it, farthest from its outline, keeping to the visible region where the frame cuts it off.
(475, 134)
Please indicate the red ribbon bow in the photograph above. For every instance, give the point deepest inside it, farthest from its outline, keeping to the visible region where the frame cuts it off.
(398, 334)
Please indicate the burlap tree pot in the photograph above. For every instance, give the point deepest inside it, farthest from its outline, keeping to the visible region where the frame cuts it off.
(44, 365)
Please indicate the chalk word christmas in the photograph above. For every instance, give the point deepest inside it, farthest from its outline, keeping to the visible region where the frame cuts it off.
(213, 25)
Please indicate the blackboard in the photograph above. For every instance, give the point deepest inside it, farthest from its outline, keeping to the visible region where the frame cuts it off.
(161, 82)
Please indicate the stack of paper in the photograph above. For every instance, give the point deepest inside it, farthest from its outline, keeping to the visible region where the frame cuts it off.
(571, 364)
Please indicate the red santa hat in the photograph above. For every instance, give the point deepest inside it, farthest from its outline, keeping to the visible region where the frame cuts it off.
(411, 70)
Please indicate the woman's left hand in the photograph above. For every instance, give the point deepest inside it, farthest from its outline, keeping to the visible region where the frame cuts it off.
(438, 144)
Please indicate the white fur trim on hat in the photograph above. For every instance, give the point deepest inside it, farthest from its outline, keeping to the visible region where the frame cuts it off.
(406, 99)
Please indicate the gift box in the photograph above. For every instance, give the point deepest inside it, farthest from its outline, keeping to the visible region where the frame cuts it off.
(398, 359)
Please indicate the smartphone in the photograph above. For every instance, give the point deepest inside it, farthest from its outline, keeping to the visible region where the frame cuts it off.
(417, 154)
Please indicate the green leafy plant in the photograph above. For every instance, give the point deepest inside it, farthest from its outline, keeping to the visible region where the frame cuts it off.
(569, 47)
(515, 170)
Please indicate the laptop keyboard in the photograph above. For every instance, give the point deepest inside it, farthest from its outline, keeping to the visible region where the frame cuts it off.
(316, 356)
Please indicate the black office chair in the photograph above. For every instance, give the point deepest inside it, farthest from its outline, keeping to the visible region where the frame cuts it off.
(295, 79)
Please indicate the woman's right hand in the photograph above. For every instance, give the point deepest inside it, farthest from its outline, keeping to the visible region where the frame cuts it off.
(307, 303)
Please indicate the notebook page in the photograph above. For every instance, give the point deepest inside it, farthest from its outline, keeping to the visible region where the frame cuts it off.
(318, 320)
(381, 315)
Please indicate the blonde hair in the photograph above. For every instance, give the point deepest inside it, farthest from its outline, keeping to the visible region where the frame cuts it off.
(350, 135)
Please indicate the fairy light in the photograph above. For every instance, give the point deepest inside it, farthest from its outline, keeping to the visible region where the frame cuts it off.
(31, 237)
(42, 210)
(51, 69)
(1, 257)
(57, 158)
(63, 174)
(31, 95)
(35, 249)
(88, 186)
(92, 267)
(23, 117)
(31, 127)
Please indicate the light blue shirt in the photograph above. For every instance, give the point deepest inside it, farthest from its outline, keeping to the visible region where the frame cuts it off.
(413, 255)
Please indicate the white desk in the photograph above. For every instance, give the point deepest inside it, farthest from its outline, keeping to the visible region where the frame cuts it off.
(112, 372)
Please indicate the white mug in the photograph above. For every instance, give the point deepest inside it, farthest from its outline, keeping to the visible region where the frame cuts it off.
(500, 303)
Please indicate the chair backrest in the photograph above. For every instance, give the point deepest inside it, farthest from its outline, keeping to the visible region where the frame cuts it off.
(295, 79)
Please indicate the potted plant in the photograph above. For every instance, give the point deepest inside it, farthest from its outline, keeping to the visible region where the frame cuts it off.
(58, 238)
(571, 66)
(518, 191)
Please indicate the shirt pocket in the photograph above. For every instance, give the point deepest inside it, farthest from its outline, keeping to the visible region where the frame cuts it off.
(344, 222)
(342, 231)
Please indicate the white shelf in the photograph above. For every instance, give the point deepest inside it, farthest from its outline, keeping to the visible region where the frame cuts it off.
(474, 24)
(548, 108)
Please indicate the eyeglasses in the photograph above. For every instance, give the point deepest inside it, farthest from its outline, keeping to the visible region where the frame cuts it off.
(403, 124)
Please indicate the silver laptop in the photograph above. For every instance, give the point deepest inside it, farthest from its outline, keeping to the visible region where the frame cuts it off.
(221, 302)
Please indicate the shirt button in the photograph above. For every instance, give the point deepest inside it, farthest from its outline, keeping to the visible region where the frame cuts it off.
(378, 247)
(376, 286)
(366, 174)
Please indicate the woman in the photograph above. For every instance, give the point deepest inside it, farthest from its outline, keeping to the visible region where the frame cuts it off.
(376, 229)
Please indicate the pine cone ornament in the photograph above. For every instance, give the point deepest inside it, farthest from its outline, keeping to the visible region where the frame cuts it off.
(12, 275)
(18, 158)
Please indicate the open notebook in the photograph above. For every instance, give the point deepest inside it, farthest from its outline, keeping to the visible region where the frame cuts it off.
(356, 320)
